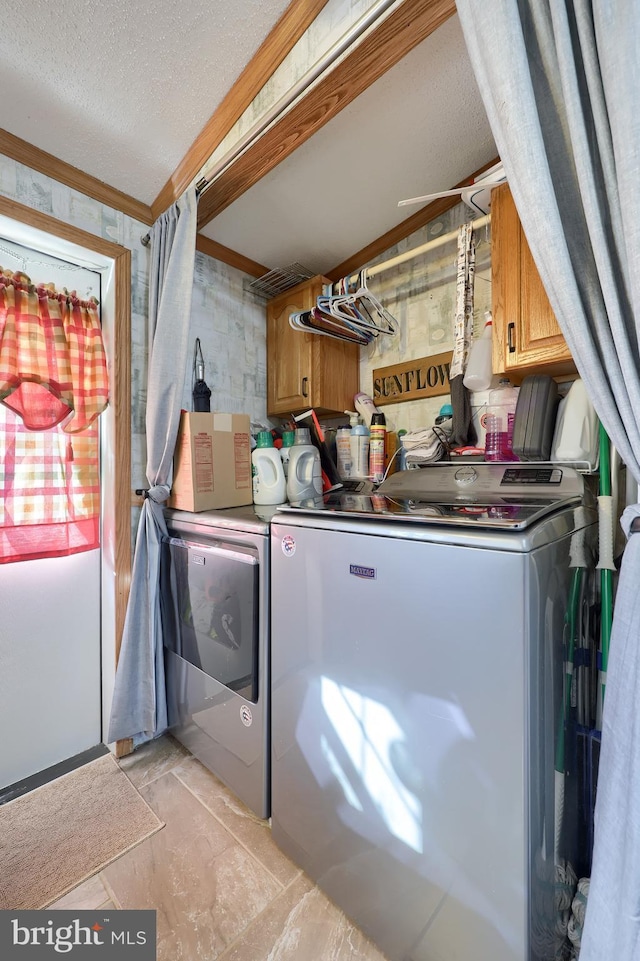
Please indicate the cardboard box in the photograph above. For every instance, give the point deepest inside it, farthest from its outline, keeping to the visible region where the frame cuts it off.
(212, 462)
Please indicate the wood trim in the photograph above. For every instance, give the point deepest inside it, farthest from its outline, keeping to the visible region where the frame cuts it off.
(25, 153)
(122, 387)
(219, 252)
(49, 224)
(404, 229)
(46, 163)
(121, 398)
(383, 47)
(296, 19)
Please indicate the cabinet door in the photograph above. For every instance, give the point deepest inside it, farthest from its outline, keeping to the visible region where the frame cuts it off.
(306, 370)
(527, 337)
(289, 352)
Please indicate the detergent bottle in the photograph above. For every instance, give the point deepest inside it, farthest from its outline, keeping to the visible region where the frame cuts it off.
(288, 437)
(304, 480)
(267, 471)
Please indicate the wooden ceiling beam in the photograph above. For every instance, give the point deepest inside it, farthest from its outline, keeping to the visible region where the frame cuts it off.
(296, 19)
(383, 47)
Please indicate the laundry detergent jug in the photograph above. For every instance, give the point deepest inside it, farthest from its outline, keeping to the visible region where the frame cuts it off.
(267, 472)
(304, 479)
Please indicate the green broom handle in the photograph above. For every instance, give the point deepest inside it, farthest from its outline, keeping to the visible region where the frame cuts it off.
(606, 575)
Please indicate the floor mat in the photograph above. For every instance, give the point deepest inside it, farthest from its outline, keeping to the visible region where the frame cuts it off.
(67, 830)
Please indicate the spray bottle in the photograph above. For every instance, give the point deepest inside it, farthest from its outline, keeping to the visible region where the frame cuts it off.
(377, 447)
(359, 442)
(343, 447)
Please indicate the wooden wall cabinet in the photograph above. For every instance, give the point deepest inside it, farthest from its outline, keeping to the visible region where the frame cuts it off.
(306, 370)
(526, 335)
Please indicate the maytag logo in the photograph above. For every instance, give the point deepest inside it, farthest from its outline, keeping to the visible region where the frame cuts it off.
(45, 934)
(367, 572)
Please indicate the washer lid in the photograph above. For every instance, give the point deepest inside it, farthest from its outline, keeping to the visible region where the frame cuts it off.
(479, 495)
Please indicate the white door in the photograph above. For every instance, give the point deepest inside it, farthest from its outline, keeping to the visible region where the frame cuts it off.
(49, 662)
(50, 620)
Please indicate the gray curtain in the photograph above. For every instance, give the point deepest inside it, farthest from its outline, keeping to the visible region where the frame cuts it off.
(560, 84)
(139, 708)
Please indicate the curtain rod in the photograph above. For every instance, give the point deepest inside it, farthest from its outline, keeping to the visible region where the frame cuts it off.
(429, 245)
(278, 109)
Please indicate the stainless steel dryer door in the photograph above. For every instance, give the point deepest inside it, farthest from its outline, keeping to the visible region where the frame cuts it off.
(209, 603)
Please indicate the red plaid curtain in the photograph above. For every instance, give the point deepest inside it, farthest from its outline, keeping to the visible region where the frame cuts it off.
(53, 384)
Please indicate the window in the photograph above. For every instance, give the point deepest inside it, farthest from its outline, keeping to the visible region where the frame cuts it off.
(53, 386)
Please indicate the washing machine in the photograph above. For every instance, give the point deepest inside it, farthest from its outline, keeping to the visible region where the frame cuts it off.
(417, 703)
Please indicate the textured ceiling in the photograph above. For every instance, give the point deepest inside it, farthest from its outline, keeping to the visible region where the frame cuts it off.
(121, 88)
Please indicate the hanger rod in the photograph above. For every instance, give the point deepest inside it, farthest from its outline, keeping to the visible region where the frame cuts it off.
(416, 251)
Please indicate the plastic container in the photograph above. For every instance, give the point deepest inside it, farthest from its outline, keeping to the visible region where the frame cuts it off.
(402, 456)
(576, 434)
(304, 480)
(499, 423)
(359, 451)
(535, 418)
(343, 452)
(267, 472)
(377, 434)
(445, 414)
(365, 407)
(480, 366)
(288, 437)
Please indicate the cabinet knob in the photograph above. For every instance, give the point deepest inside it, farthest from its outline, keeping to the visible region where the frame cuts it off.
(510, 338)
(305, 386)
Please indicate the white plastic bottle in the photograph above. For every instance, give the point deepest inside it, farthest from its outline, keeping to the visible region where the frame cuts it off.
(288, 437)
(480, 366)
(343, 452)
(267, 472)
(365, 407)
(304, 480)
(359, 451)
(499, 422)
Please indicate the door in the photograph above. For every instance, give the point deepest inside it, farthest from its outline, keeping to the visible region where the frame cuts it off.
(50, 616)
(209, 604)
(526, 334)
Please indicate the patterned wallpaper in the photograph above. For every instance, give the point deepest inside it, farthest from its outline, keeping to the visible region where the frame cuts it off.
(421, 295)
(227, 316)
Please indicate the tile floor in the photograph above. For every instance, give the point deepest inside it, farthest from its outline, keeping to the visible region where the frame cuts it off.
(221, 888)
